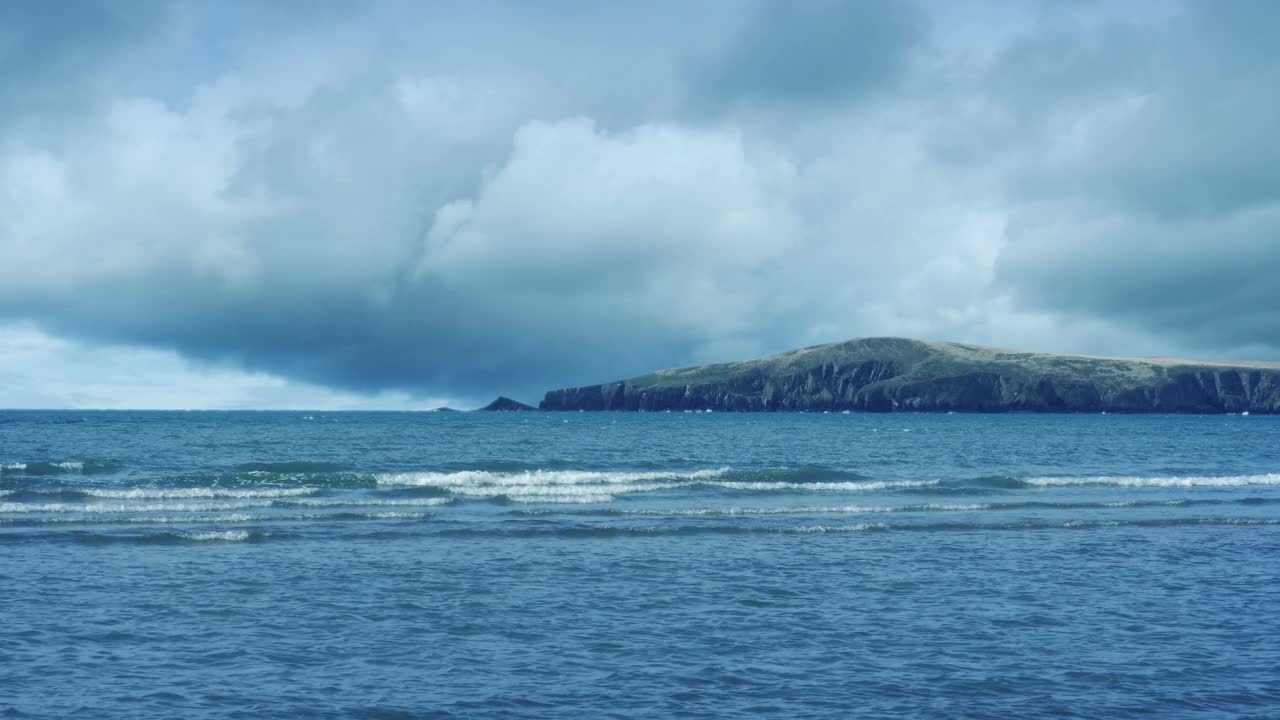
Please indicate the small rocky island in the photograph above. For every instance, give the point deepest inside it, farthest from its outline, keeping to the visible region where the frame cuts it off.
(901, 375)
(506, 404)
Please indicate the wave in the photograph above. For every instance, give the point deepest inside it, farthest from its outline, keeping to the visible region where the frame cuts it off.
(859, 527)
(231, 519)
(801, 474)
(588, 486)
(23, 507)
(400, 525)
(1164, 481)
(219, 536)
(548, 486)
(562, 498)
(291, 467)
(743, 512)
(371, 502)
(639, 531)
(64, 467)
(168, 493)
(488, 478)
(827, 486)
(1001, 482)
(906, 509)
(165, 538)
(395, 516)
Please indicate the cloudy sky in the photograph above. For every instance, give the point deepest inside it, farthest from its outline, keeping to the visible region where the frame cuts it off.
(402, 204)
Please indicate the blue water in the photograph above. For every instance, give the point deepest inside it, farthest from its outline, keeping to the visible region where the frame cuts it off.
(317, 565)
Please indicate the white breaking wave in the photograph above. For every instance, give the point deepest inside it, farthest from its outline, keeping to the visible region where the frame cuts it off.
(839, 486)
(12, 507)
(583, 486)
(68, 465)
(549, 486)
(1169, 481)
(485, 478)
(833, 510)
(861, 527)
(533, 491)
(174, 493)
(241, 518)
(338, 503)
(224, 535)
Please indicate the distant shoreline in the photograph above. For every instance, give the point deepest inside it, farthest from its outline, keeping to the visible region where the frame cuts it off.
(904, 375)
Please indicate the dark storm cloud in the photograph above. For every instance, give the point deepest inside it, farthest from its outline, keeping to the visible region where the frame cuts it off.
(55, 55)
(472, 198)
(1156, 195)
(821, 52)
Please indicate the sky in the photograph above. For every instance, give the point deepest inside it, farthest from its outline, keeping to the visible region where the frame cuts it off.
(399, 205)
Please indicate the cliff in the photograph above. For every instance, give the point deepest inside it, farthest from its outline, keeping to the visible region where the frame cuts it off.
(895, 374)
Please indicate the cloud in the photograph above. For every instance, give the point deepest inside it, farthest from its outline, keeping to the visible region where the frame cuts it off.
(40, 371)
(392, 197)
(56, 56)
(1155, 192)
(813, 52)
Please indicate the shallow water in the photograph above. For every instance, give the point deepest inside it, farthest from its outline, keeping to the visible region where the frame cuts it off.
(393, 565)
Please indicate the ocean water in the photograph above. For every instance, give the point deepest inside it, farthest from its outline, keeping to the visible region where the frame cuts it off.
(434, 565)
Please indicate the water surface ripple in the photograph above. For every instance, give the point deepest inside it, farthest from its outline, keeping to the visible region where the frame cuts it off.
(437, 565)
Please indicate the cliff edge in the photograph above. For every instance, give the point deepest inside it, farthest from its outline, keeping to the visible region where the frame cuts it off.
(897, 374)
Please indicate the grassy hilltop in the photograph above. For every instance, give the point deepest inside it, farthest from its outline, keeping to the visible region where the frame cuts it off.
(898, 374)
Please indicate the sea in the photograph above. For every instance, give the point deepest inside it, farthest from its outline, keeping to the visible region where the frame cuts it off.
(647, 565)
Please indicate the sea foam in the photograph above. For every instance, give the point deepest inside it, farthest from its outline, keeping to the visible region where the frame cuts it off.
(1165, 481)
(485, 478)
(173, 493)
(828, 486)
(218, 536)
(12, 507)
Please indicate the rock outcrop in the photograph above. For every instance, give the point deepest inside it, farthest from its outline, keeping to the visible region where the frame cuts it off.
(506, 404)
(895, 374)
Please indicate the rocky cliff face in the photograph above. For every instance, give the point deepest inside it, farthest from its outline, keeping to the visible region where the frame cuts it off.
(888, 374)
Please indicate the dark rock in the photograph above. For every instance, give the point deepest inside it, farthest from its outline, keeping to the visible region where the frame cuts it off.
(506, 404)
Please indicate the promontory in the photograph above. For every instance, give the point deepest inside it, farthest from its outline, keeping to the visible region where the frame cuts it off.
(902, 375)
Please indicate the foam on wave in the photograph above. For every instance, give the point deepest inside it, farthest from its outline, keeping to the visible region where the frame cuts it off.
(549, 486)
(583, 486)
(486, 478)
(1165, 481)
(859, 527)
(830, 486)
(174, 493)
(809, 510)
(217, 536)
(376, 502)
(12, 507)
(59, 467)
